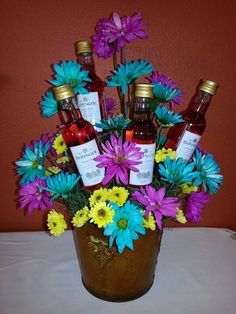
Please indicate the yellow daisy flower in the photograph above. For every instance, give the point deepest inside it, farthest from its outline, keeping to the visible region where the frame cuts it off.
(188, 187)
(56, 223)
(180, 216)
(118, 195)
(150, 223)
(62, 160)
(52, 170)
(99, 195)
(101, 214)
(59, 145)
(81, 217)
(161, 154)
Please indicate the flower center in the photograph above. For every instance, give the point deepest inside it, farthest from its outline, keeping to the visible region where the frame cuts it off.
(119, 158)
(72, 82)
(101, 212)
(98, 197)
(35, 164)
(61, 143)
(122, 223)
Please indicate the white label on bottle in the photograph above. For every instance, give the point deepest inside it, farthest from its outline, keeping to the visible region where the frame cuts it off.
(84, 155)
(89, 108)
(145, 168)
(187, 145)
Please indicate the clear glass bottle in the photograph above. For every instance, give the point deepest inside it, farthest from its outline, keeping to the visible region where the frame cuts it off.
(80, 137)
(91, 105)
(143, 132)
(185, 136)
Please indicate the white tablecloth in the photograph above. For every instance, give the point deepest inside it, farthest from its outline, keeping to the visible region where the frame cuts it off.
(195, 274)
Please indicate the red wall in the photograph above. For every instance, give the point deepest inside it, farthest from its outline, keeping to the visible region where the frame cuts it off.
(188, 40)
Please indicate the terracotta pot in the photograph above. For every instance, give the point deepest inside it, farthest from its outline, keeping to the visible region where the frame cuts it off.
(112, 276)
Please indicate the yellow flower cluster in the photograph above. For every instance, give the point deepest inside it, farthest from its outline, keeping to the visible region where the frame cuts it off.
(188, 187)
(163, 153)
(56, 223)
(180, 216)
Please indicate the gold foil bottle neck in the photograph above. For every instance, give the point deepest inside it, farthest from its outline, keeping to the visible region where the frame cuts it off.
(63, 92)
(143, 90)
(208, 87)
(82, 46)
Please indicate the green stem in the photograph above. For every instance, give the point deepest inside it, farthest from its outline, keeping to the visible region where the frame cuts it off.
(159, 136)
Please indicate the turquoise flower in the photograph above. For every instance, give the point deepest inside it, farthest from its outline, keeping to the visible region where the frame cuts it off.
(127, 223)
(115, 123)
(126, 73)
(167, 118)
(208, 172)
(61, 184)
(31, 165)
(165, 93)
(177, 171)
(69, 72)
(48, 105)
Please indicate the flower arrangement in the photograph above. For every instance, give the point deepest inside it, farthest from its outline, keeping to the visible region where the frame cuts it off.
(179, 189)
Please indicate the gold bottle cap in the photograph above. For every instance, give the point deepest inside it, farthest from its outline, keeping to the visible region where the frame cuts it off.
(144, 90)
(208, 87)
(83, 46)
(63, 92)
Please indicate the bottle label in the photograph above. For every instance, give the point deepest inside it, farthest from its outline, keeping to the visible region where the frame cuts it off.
(145, 168)
(187, 145)
(84, 155)
(89, 108)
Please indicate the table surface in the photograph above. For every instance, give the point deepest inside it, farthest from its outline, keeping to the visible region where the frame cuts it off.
(195, 273)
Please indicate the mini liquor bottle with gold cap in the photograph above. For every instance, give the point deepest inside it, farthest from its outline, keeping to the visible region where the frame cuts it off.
(143, 132)
(184, 136)
(80, 137)
(92, 104)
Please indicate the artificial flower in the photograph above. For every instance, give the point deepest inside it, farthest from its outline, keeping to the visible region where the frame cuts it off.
(180, 216)
(149, 223)
(81, 217)
(99, 195)
(56, 223)
(59, 145)
(208, 172)
(32, 196)
(118, 159)
(52, 170)
(166, 90)
(177, 171)
(113, 33)
(127, 223)
(163, 153)
(118, 195)
(188, 187)
(167, 118)
(31, 165)
(156, 202)
(126, 73)
(49, 105)
(101, 214)
(194, 206)
(115, 123)
(61, 184)
(62, 160)
(69, 72)
(110, 106)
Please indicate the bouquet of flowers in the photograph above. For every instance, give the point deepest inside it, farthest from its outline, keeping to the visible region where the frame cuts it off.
(179, 189)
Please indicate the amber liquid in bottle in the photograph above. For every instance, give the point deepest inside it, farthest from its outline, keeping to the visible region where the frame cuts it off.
(184, 137)
(80, 137)
(92, 105)
(143, 132)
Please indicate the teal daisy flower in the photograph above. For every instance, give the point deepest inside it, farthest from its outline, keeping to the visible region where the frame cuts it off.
(61, 184)
(126, 73)
(69, 72)
(127, 223)
(115, 123)
(167, 118)
(208, 172)
(165, 93)
(31, 165)
(177, 171)
(48, 105)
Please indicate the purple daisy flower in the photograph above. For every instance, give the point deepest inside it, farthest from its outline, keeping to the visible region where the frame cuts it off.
(194, 206)
(165, 88)
(118, 158)
(156, 202)
(112, 34)
(32, 196)
(110, 106)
